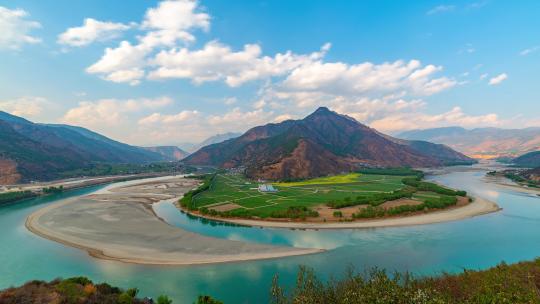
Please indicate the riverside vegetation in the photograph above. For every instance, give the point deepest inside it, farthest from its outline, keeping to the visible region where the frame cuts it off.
(14, 196)
(232, 195)
(517, 284)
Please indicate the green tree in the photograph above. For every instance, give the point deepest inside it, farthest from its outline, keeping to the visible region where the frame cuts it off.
(207, 300)
(162, 299)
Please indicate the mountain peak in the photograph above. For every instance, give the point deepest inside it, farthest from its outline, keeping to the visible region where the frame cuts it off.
(322, 110)
(323, 113)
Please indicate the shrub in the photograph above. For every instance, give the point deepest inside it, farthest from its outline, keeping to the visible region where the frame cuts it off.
(70, 290)
(504, 283)
(79, 280)
(338, 214)
(207, 300)
(405, 209)
(13, 196)
(441, 203)
(162, 299)
(432, 187)
(89, 289)
(53, 190)
(294, 212)
(370, 212)
(125, 298)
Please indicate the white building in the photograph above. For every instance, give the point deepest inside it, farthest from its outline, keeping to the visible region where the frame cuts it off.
(267, 188)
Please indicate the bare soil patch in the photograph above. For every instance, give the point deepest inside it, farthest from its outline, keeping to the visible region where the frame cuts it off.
(225, 207)
(400, 202)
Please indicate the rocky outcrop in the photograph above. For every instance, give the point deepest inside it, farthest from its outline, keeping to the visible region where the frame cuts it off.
(8, 172)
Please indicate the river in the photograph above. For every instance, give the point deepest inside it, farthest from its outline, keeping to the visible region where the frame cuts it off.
(510, 235)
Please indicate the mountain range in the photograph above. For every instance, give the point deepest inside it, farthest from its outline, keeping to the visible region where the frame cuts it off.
(169, 152)
(193, 147)
(531, 160)
(481, 142)
(323, 143)
(33, 151)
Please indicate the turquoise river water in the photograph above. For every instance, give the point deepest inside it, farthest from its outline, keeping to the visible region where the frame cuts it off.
(510, 235)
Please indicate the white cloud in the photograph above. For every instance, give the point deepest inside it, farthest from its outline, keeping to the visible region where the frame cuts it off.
(216, 61)
(240, 120)
(441, 9)
(498, 79)
(15, 28)
(283, 117)
(192, 125)
(121, 64)
(91, 30)
(157, 56)
(398, 122)
(171, 21)
(530, 50)
(389, 113)
(181, 117)
(163, 26)
(105, 113)
(484, 76)
(28, 106)
(342, 79)
(476, 5)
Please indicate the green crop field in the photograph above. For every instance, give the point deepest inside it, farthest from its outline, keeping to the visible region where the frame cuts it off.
(236, 192)
(232, 195)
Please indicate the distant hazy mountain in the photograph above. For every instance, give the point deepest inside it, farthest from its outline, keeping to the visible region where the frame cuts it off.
(169, 152)
(32, 151)
(531, 160)
(187, 146)
(322, 143)
(481, 142)
(191, 147)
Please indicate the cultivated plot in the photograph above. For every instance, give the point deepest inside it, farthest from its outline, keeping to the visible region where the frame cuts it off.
(233, 191)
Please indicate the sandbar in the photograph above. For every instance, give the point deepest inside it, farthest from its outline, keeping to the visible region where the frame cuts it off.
(119, 224)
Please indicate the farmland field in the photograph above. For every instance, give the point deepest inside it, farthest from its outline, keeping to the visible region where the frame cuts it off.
(234, 192)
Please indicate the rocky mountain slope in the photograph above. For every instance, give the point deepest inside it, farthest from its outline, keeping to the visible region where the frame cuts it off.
(32, 151)
(322, 143)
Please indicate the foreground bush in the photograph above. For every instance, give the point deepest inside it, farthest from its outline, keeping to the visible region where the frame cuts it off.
(518, 283)
(79, 290)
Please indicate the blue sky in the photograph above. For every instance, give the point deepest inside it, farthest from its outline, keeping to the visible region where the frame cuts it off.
(165, 72)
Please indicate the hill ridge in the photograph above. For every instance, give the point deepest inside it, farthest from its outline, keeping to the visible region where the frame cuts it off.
(293, 149)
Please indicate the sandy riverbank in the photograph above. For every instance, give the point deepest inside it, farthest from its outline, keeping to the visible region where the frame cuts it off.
(478, 207)
(510, 185)
(118, 224)
(76, 183)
